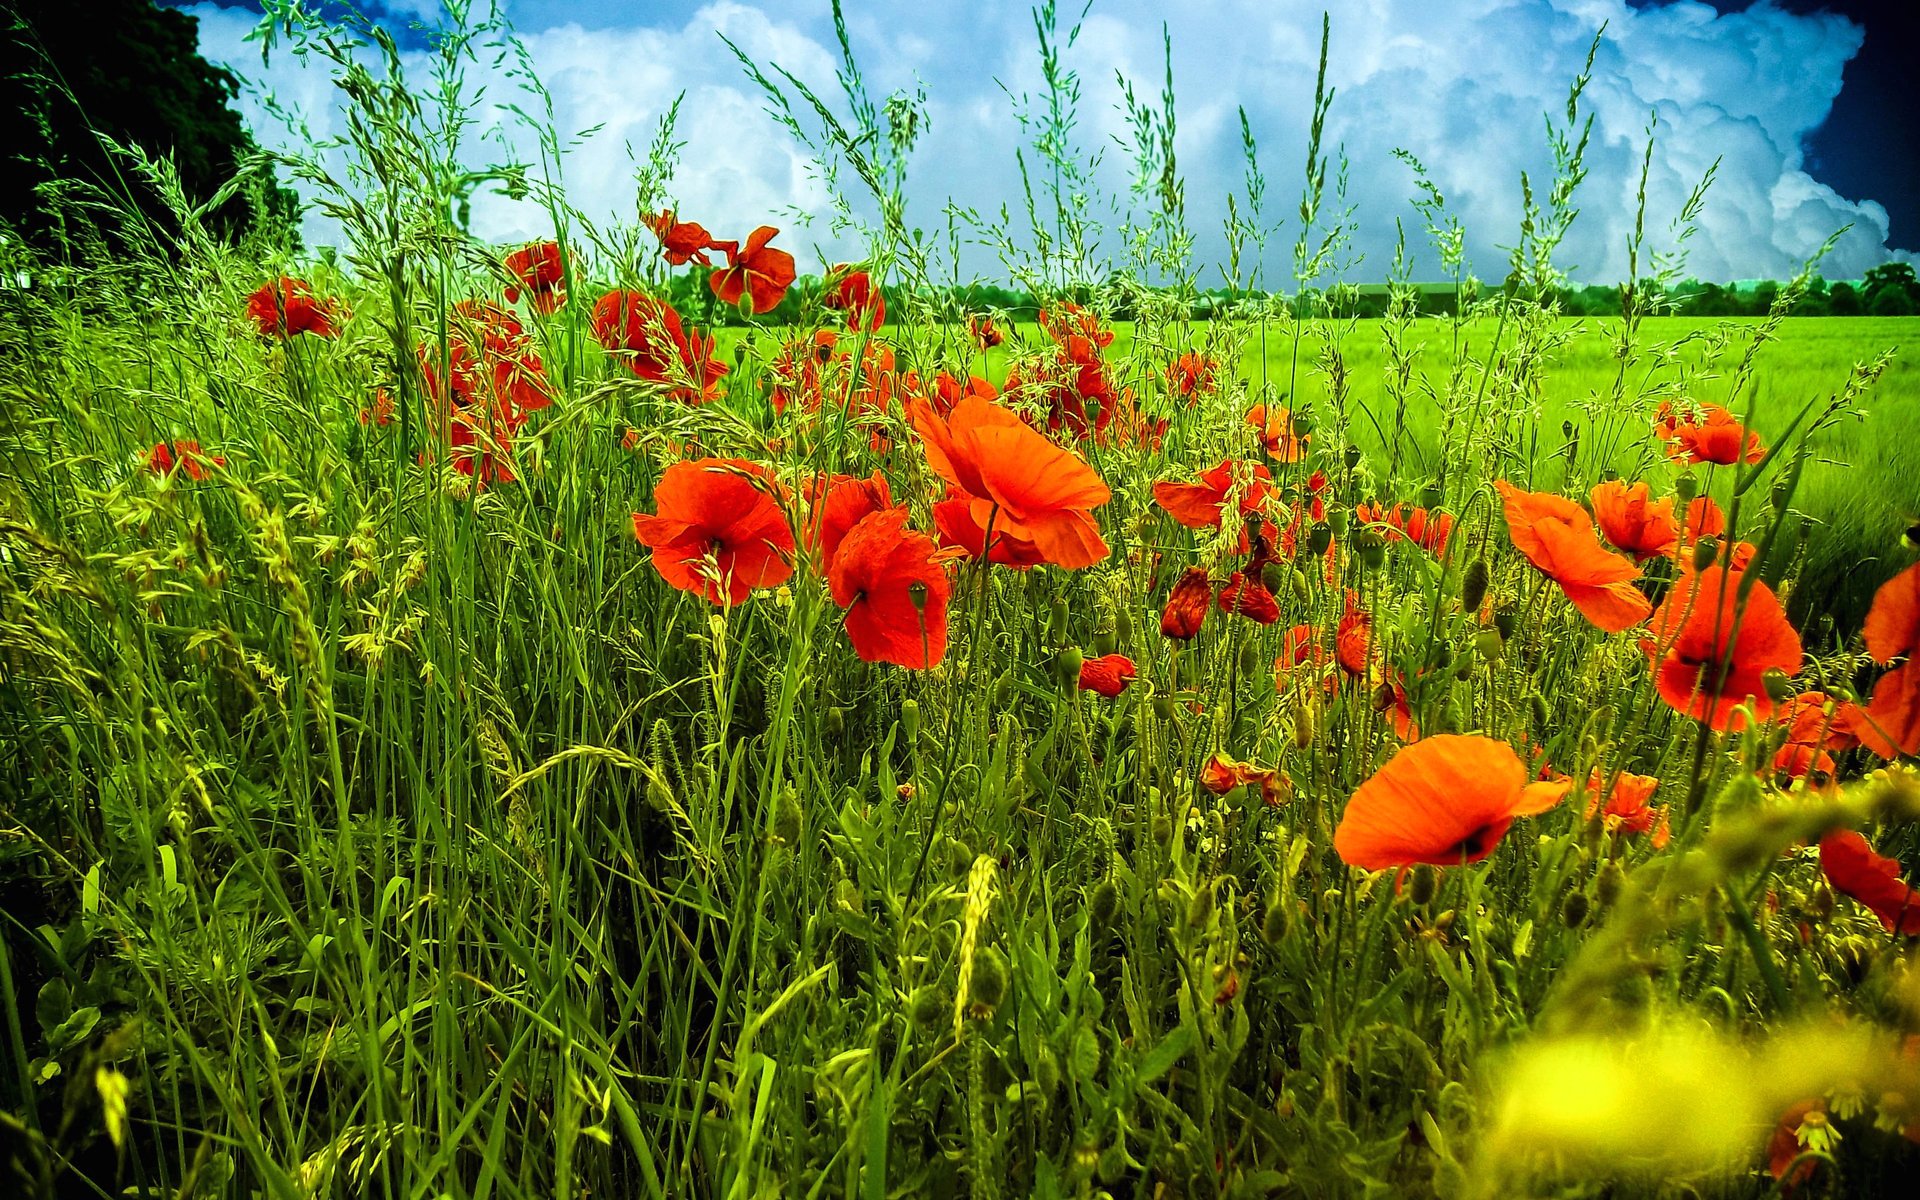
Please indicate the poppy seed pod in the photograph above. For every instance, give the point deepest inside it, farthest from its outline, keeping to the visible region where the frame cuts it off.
(1302, 425)
(1373, 554)
(1704, 552)
(1778, 683)
(1686, 488)
(1473, 587)
(1505, 620)
(1337, 520)
(1319, 538)
(1352, 457)
(1105, 640)
(1163, 707)
(1432, 496)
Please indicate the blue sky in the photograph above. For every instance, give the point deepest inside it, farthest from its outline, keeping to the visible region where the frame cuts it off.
(1463, 84)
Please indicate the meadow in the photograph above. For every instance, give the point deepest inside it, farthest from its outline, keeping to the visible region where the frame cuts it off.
(471, 732)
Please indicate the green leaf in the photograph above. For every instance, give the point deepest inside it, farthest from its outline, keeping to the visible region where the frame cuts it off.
(1161, 1059)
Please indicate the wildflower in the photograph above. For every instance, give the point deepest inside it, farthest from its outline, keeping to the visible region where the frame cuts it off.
(540, 270)
(287, 307)
(1704, 519)
(1191, 376)
(757, 271)
(1187, 606)
(1808, 1120)
(1250, 598)
(1557, 536)
(1221, 775)
(1633, 521)
(1277, 432)
(1623, 806)
(647, 335)
(1446, 800)
(1715, 436)
(1017, 484)
(955, 522)
(949, 391)
(715, 531)
(1353, 639)
(380, 412)
(1404, 522)
(1892, 724)
(1108, 674)
(853, 291)
(1708, 657)
(1200, 505)
(842, 502)
(892, 583)
(681, 241)
(1852, 867)
(984, 332)
(185, 456)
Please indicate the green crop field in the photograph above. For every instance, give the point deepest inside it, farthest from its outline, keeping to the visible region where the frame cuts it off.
(613, 717)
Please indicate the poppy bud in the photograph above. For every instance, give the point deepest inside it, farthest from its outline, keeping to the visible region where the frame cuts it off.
(1300, 592)
(1273, 922)
(1488, 644)
(1337, 520)
(745, 305)
(1186, 609)
(928, 1004)
(836, 721)
(1003, 690)
(910, 720)
(959, 858)
(1607, 884)
(1778, 684)
(1067, 663)
(1274, 576)
(659, 795)
(1574, 910)
(1162, 828)
(1105, 641)
(787, 817)
(1425, 881)
(1200, 908)
(1123, 624)
(1473, 588)
(847, 895)
(1304, 722)
(1352, 457)
(1249, 657)
(1112, 1167)
(989, 982)
(1057, 619)
(1686, 488)
(1540, 714)
(1319, 538)
(1505, 620)
(1820, 903)
(1102, 905)
(1443, 655)
(1704, 552)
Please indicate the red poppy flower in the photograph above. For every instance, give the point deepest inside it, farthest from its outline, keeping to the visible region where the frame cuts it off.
(1816, 719)
(1784, 1146)
(185, 456)
(844, 502)
(1109, 674)
(1250, 599)
(1445, 800)
(1200, 505)
(715, 531)
(1704, 519)
(1187, 606)
(1557, 536)
(1715, 436)
(757, 270)
(1632, 520)
(1892, 724)
(957, 526)
(681, 241)
(1221, 775)
(539, 269)
(647, 335)
(1019, 485)
(1353, 639)
(892, 583)
(1191, 376)
(949, 391)
(380, 412)
(1855, 870)
(1624, 806)
(287, 307)
(853, 291)
(1276, 432)
(983, 332)
(1403, 522)
(1705, 663)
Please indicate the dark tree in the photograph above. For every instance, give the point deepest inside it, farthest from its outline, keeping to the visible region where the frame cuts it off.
(1890, 290)
(133, 72)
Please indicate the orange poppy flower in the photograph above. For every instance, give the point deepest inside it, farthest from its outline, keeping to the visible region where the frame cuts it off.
(840, 503)
(1633, 520)
(681, 241)
(716, 531)
(1407, 523)
(1221, 775)
(1353, 639)
(1816, 719)
(1108, 675)
(1892, 718)
(1874, 880)
(648, 336)
(1445, 800)
(957, 527)
(757, 270)
(1249, 598)
(1705, 664)
(1715, 436)
(1018, 484)
(1187, 606)
(1276, 431)
(1557, 536)
(853, 291)
(1704, 519)
(892, 583)
(1191, 376)
(1200, 505)
(540, 270)
(287, 307)
(1624, 807)
(983, 332)
(949, 391)
(185, 456)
